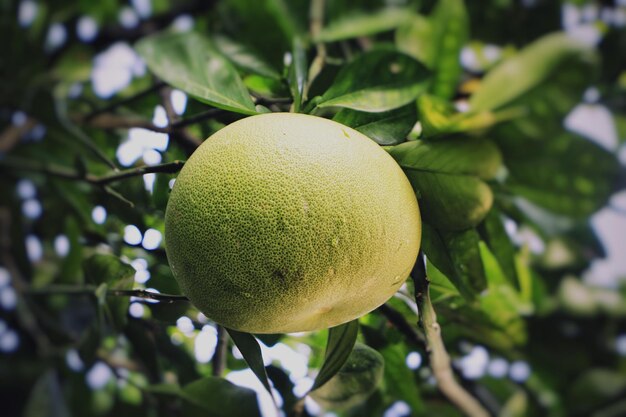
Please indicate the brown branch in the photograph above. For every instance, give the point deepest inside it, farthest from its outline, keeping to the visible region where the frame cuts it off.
(108, 121)
(112, 106)
(21, 164)
(439, 358)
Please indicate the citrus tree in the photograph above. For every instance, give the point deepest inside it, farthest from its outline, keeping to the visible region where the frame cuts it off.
(502, 119)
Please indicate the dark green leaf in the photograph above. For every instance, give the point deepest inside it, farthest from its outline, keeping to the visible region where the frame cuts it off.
(399, 379)
(567, 174)
(356, 25)
(446, 176)
(464, 251)
(221, 398)
(243, 57)
(46, 398)
(536, 63)
(189, 62)
(377, 81)
(341, 340)
(493, 232)
(387, 128)
(251, 352)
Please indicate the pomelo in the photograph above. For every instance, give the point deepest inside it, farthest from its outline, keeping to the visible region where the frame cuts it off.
(286, 222)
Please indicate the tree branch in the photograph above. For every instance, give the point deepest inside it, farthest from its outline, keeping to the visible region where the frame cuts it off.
(439, 358)
(90, 291)
(179, 135)
(21, 164)
(112, 106)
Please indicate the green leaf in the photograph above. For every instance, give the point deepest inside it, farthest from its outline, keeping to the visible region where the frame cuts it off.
(251, 352)
(244, 57)
(189, 62)
(356, 25)
(451, 25)
(415, 38)
(298, 73)
(221, 398)
(447, 178)
(529, 69)
(341, 340)
(387, 128)
(377, 81)
(400, 380)
(46, 398)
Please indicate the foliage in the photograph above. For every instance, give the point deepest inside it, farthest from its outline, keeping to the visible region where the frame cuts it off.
(92, 133)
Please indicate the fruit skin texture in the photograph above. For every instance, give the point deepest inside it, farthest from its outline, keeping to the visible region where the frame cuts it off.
(286, 222)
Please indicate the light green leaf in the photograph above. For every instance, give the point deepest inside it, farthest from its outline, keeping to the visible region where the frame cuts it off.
(530, 68)
(387, 128)
(341, 340)
(399, 379)
(189, 62)
(251, 352)
(415, 38)
(438, 117)
(220, 398)
(357, 25)
(447, 178)
(437, 42)
(377, 81)
(298, 73)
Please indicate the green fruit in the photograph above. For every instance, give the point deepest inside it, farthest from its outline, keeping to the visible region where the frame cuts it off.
(356, 380)
(286, 222)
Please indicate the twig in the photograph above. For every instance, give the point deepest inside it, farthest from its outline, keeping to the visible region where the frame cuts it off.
(316, 24)
(402, 325)
(110, 121)
(91, 289)
(439, 358)
(221, 352)
(21, 164)
(110, 107)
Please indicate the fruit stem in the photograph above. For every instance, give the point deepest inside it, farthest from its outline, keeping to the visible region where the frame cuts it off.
(437, 353)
